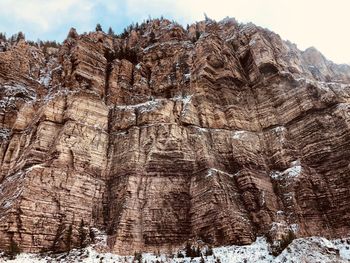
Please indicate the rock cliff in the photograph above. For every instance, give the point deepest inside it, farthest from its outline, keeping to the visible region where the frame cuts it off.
(221, 132)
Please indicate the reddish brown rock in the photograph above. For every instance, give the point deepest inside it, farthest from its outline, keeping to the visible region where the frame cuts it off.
(221, 133)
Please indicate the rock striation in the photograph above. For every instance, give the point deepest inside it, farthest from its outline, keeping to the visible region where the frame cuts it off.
(222, 133)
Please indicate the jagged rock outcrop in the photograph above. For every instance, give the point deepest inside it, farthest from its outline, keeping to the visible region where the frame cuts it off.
(222, 132)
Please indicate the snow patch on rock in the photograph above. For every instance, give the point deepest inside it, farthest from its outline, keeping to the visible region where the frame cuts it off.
(238, 135)
(291, 172)
(212, 171)
(4, 134)
(186, 100)
(142, 107)
(187, 76)
(343, 245)
(312, 249)
(13, 92)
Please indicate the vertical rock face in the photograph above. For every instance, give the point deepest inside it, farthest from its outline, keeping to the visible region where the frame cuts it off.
(222, 132)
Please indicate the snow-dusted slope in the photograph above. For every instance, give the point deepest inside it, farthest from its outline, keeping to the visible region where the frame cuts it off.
(313, 249)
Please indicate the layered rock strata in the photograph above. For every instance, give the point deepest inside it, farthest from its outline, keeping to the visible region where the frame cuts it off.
(222, 132)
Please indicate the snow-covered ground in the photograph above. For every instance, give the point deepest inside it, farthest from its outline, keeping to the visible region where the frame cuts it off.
(312, 249)
(4, 133)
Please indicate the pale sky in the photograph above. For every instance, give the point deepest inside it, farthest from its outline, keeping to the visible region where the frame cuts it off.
(320, 23)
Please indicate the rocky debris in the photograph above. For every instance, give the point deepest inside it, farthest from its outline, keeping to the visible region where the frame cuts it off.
(312, 249)
(220, 133)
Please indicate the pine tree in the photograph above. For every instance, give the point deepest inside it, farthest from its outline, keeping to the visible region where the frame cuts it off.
(98, 27)
(82, 234)
(69, 238)
(20, 36)
(59, 234)
(111, 32)
(138, 257)
(198, 34)
(13, 250)
(152, 37)
(92, 235)
(209, 251)
(72, 33)
(197, 252)
(2, 36)
(188, 250)
(13, 38)
(124, 34)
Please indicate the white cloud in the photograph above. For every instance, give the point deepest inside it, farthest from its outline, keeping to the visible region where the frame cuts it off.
(38, 16)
